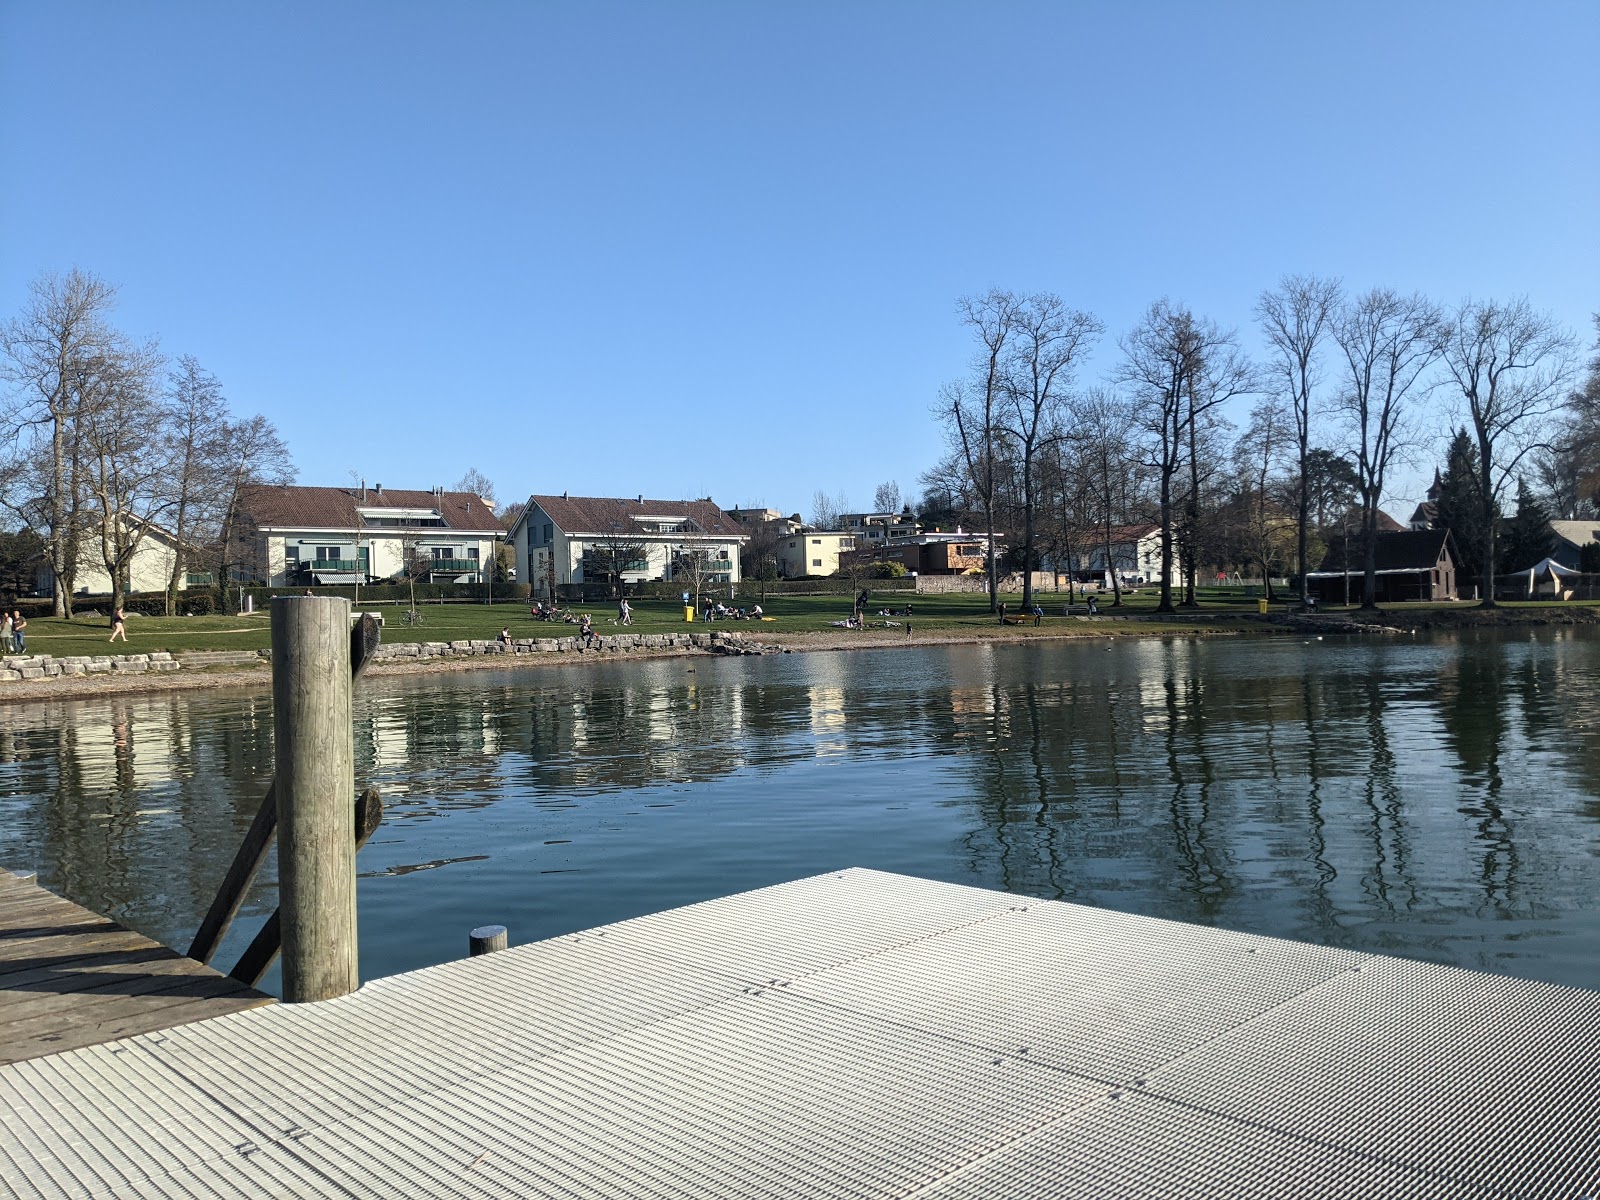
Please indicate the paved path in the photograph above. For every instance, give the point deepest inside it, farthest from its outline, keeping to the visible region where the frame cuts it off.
(850, 1035)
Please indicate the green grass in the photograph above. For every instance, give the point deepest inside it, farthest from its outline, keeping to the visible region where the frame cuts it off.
(958, 613)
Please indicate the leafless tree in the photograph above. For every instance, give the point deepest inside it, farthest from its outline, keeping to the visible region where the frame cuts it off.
(476, 483)
(693, 565)
(1223, 373)
(615, 552)
(1387, 341)
(125, 454)
(252, 453)
(1295, 318)
(826, 510)
(1102, 420)
(1512, 368)
(63, 326)
(1257, 455)
(197, 424)
(1048, 340)
(886, 499)
(1161, 355)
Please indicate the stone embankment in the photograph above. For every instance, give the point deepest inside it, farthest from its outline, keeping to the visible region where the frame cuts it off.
(609, 642)
(44, 666)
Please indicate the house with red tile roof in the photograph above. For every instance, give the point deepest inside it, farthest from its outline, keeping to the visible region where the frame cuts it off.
(569, 539)
(292, 535)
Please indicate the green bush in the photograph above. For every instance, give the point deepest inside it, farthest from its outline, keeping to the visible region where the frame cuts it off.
(889, 570)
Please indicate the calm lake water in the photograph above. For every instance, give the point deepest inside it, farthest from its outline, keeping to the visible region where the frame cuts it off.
(1433, 798)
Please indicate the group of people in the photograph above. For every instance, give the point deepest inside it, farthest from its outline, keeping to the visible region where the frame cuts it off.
(716, 610)
(12, 626)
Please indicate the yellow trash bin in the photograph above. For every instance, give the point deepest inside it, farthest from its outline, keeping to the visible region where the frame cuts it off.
(688, 613)
(1261, 607)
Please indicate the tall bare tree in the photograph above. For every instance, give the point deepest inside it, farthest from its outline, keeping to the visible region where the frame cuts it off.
(197, 421)
(1223, 372)
(478, 484)
(886, 499)
(1387, 341)
(826, 510)
(1101, 420)
(970, 409)
(1258, 454)
(1512, 368)
(1048, 341)
(1161, 355)
(252, 453)
(63, 326)
(125, 454)
(1295, 319)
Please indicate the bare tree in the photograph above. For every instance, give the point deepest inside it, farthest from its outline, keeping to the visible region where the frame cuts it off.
(1388, 341)
(1258, 453)
(1048, 341)
(252, 453)
(1512, 368)
(126, 458)
(886, 499)
(693, 565)
(1160, 357)
(969, 409)
(197, 420)
(826, 510)
(476, 483)
(1102, 419)
(615, 552)
(1222, 373)
(1295, 319)
(62, 327)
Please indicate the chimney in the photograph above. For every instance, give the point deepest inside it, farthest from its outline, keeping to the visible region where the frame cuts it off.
(378, 487)
(563, 493)
(641, 497)
(363, 491)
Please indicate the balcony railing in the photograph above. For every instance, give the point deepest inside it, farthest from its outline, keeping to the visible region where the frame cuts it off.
(458, 566)
(332, 564)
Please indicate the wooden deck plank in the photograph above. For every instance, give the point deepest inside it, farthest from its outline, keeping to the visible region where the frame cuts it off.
(71, 978)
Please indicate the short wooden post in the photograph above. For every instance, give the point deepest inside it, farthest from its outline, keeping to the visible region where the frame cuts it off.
(315, 759)
(486, 939)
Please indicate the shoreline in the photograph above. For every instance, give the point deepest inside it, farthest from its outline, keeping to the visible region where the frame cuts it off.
(1106, 626)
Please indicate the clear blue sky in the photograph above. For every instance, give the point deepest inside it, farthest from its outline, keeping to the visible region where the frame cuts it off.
(714, 248)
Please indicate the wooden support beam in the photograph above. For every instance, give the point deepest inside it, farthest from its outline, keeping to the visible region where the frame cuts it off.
(314, 752)
(365, 635)
(264, 947)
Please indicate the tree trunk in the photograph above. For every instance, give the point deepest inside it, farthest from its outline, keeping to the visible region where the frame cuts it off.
(1484, 475)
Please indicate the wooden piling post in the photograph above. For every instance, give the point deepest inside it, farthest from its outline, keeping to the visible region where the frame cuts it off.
(486, 939)
(315, 759)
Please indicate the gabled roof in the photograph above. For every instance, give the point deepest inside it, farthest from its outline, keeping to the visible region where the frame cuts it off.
(295, 507)
(1407, 550)
(1579, 533)
(595, 516)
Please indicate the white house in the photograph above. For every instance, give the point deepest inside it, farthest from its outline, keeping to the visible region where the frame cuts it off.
(598, 539)
(1135, 553)
(327, 535)
(149, 570)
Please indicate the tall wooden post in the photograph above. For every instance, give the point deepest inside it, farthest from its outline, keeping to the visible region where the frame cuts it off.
(315, 758)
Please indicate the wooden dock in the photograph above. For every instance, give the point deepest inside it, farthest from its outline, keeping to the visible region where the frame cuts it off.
(851, 1035)
(71, 978)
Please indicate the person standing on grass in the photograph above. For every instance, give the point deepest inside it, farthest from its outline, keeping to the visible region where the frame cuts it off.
(5, 628)
(19, 640)
(118, 625)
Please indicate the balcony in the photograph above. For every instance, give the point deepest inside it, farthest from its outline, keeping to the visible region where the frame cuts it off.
(454, 566)
(331, 564)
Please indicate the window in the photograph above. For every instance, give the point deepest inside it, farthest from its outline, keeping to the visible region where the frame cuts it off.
(816, 562)
(816, 541)
(326, 552)
(547, 534)
(472, 553)
(291, 554)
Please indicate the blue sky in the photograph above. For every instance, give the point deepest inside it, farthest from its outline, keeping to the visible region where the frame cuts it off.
(715, 248)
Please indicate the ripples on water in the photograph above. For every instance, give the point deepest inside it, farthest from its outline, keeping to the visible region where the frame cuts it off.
(1437, 799)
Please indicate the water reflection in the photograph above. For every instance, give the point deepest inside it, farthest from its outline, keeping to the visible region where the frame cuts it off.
(1435, 799)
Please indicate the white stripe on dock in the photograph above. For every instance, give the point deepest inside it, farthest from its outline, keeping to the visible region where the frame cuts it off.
(852, 1035)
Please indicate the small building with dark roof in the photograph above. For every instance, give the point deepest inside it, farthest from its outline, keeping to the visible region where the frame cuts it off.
(1414, 564)
(567, 539)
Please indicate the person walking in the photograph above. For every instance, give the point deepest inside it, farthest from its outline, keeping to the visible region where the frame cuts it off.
(5, 628)
(118, 626)
(1002, 607)
(19, 640)
(624, 612)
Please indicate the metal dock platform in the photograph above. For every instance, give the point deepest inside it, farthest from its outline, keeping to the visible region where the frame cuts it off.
(851, 1035)
(70, 977)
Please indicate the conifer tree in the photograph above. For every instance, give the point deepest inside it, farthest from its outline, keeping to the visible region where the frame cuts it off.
(1528, 538)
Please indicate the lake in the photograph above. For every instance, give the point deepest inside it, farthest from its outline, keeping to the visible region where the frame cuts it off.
(1432, 797)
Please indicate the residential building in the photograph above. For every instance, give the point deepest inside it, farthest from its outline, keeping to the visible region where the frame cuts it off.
(757, 517)
(957, 553)
(813, 552)
(1416, 564)
(569, 539)
(874, 529)
(1571, 538)
(292, 535)
(150, 569)
(1135, 554)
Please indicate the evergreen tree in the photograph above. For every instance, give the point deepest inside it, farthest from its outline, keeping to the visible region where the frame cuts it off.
(1527, 538)
(1460, 506)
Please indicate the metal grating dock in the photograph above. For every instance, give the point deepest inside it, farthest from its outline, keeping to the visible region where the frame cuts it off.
(851, 1035)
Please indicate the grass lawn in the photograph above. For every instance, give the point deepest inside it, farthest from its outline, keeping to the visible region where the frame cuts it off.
(958, 613)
